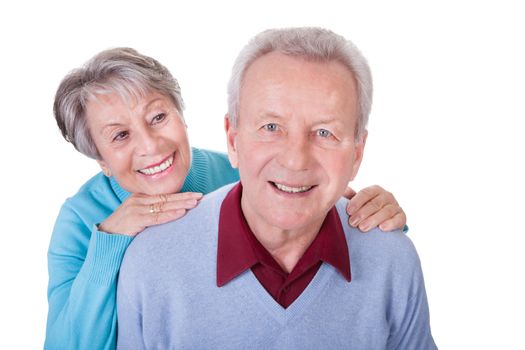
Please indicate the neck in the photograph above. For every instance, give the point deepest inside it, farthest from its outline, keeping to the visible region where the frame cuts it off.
(286, 246)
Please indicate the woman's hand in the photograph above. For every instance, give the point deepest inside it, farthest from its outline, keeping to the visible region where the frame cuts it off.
(374, 206)
(140, 211)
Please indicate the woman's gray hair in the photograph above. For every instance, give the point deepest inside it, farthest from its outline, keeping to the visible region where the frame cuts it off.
(310, 43)
(123, 71)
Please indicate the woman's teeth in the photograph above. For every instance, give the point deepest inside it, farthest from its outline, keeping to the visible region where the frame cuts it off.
(159, 168)
(292, 189)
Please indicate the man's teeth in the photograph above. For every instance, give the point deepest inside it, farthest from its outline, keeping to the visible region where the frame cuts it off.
(159, 168)
(292, 189)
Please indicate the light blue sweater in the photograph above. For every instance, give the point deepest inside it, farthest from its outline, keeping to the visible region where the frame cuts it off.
(168, 298)
(83, 262)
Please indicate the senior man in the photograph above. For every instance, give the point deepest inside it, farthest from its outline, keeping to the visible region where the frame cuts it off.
(268, 263)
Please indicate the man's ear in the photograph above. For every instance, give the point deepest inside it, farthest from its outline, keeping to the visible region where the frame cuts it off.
(358, 154)
(105, 168)
(231, 135)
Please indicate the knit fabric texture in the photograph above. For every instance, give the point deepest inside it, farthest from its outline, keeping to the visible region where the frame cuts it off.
(168, 297)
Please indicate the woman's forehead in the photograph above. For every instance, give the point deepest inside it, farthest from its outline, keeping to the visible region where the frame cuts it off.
(129, 92)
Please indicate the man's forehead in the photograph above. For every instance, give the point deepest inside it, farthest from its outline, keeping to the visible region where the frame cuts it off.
(276, 79)
(277, 66)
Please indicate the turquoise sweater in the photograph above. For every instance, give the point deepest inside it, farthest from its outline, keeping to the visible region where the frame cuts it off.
(83, 262)
(168, 298)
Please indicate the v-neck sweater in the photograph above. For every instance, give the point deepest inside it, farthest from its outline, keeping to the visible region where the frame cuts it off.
(238, 250)
(168, 298)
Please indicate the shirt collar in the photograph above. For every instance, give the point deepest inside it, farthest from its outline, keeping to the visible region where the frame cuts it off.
(235, 252)
(334, 246)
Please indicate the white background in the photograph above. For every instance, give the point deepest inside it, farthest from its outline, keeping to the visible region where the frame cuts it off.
(445, 134)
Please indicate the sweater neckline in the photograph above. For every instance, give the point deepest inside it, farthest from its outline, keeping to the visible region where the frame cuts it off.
(311, 293)
(274, 309)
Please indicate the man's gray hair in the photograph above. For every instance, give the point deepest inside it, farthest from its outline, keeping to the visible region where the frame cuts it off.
(315, 44)
(123, 71)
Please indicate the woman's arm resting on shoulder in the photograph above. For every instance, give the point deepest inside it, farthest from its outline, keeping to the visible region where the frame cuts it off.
(83, 264)
(140, 211)
(374, 206)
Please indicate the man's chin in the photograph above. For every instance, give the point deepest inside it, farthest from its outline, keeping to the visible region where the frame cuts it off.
(291, 221)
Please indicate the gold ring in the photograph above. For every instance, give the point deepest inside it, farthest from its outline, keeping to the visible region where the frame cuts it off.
(151, 208)
(155, 208)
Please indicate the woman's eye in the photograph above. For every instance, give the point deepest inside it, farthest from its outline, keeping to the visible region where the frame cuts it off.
(158, 118)
(324, 133)
(120, 136)
(270, 127)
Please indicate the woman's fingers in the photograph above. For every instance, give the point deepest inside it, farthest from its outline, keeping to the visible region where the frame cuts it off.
(363, 197)
(163, 217)
(374, 206)
(376, 218)
(140, 211)
(169, 207)
(184, 195)
(143, 199)
(398, 221)
(160, 207)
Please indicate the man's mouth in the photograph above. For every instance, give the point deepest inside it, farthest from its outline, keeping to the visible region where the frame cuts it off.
(159, 168)
(290, 189)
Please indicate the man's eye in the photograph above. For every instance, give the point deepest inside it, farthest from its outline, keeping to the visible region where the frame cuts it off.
(120, 136)
(324, 133)
(158, 118)
(270, 127)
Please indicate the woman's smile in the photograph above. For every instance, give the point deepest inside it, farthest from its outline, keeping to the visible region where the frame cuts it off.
(158, 168)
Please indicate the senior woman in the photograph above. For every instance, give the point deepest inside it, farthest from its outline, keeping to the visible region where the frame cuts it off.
(124, 110)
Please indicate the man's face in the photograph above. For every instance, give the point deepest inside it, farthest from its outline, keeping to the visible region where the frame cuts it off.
(295, 143)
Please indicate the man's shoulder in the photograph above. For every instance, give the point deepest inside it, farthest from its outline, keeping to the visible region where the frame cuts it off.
(393, 248)
(186, 233)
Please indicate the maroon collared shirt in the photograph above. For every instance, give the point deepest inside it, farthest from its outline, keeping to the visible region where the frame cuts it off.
(239, 250)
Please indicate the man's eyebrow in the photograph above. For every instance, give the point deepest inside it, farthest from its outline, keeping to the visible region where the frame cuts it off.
(328, 120)
(268, 115)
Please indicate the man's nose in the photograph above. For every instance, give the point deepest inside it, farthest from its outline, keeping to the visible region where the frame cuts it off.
(296, 153)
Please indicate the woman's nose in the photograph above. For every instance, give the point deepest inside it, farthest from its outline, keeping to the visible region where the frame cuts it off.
(147, 142)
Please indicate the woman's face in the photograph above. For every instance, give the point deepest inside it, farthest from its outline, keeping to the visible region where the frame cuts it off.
(142, 143)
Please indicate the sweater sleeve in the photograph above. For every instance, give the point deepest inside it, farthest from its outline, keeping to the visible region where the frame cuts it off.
(411, 326)
(83, 264)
